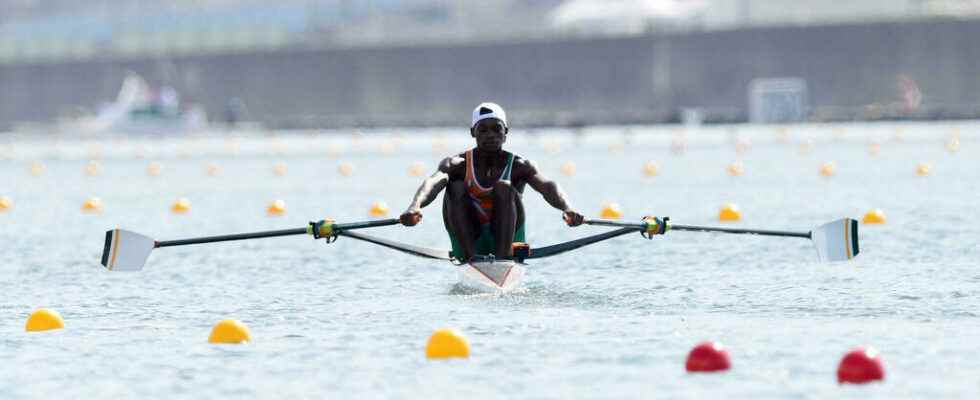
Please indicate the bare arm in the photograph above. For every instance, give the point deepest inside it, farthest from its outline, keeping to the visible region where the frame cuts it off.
(552, 193)
(427, 192)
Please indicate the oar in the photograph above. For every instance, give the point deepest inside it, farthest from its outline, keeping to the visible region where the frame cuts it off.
(835, 241)
(127, 251)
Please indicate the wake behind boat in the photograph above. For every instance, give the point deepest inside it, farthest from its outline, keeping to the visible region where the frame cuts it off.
(128, 251)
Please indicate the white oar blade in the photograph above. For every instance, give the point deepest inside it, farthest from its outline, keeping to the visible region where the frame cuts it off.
(125, 250)
(836, 241)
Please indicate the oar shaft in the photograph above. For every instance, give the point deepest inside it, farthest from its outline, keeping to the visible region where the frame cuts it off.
(284, 232)
(226, 238)
(673, 227)
(761, 232)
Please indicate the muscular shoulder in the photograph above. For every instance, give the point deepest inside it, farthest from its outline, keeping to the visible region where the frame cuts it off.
(453, 165)
(523, 168)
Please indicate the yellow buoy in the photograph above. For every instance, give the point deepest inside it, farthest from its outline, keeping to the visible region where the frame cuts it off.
(275, 208)
(5, 203)
(874, 149)
(611, 211)
(828, 169)
(923, 169)
(153, 168)
(782, 134)
(229, 331)
(651, 169)
(439, 145)
(279, 169)
(92, 205)
(742, 146)
(378, 209)
(416, 169)
(735, 169)
(44, 319)
(447, 343)
(806, 147)
(345, 169)
(386, 147)
(92, 168)
(181, 206)
(899, 134)
(729, 212)
(875, 216)
(212, 169)
(953, 144)
(568, 168)
(37, 168)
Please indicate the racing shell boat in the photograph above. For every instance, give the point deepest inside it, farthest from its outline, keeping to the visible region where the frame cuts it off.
(487, 274)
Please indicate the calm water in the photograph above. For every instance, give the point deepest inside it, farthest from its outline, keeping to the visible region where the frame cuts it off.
(611, 321)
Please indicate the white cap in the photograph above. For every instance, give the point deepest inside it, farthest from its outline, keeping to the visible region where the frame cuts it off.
(488, 110)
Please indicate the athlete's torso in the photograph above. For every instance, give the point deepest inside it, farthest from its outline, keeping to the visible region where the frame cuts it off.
(480, 174)
(486, 171)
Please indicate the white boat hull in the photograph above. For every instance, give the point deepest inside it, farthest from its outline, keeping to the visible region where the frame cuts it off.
(492, 276)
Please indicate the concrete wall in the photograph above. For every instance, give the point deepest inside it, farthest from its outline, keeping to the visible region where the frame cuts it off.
(599, 80)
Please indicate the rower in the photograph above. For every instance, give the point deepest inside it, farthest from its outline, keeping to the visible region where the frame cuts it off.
(482, 209)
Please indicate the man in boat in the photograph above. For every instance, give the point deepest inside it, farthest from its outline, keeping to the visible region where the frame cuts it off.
(482, 208)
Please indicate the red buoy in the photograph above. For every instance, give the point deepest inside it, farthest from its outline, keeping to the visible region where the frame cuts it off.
(708, 357)
(860, 366)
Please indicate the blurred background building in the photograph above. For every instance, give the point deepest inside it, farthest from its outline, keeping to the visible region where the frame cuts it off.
(306, 63)
(34, 30)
